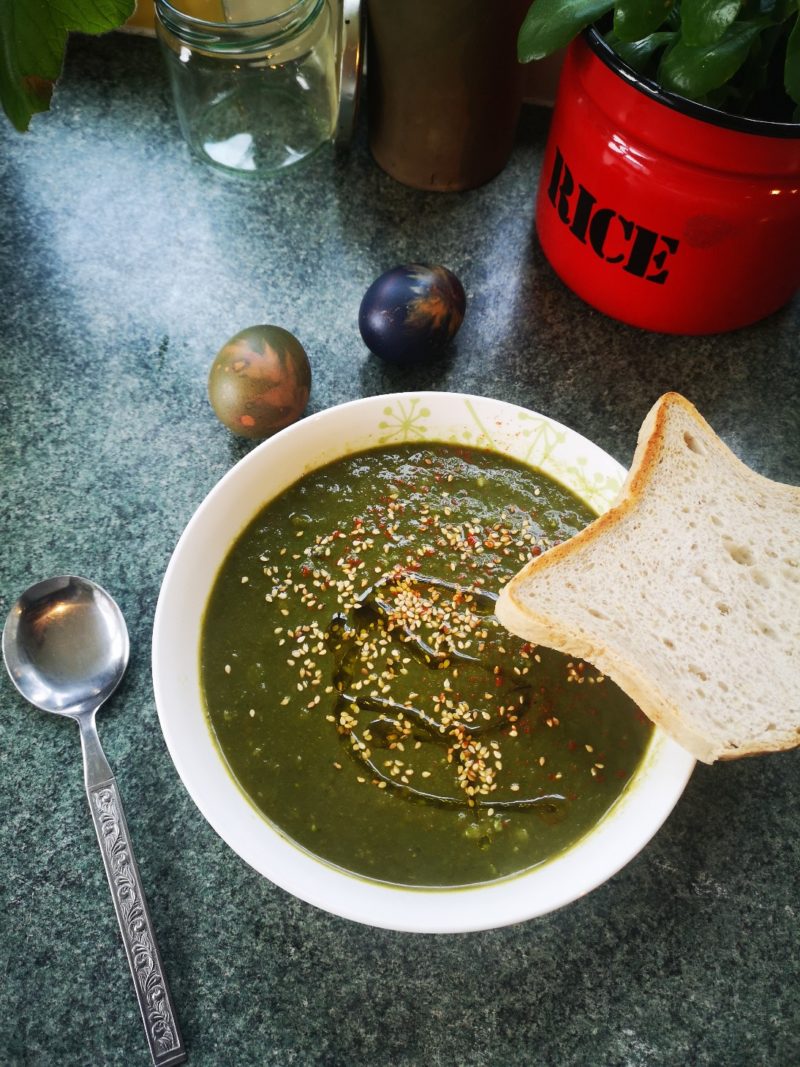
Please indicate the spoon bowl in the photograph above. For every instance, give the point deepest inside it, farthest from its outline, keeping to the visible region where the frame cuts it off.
(65, 644)
(66, 647)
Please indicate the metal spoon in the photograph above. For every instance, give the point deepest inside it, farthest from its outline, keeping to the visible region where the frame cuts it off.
(65, 645)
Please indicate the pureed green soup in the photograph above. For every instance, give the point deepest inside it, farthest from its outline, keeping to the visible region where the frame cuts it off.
(366, 699)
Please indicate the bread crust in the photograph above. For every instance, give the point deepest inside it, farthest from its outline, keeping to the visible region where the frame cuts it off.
(522, 619)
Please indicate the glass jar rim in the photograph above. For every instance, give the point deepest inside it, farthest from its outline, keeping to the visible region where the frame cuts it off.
(211, 25)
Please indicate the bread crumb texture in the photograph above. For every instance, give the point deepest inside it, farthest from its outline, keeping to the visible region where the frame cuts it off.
(686, 593)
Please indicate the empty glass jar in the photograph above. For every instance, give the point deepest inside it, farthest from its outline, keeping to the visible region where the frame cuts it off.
(255, 81)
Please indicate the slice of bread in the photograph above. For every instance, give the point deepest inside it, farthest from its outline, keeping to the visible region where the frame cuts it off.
(686, 593)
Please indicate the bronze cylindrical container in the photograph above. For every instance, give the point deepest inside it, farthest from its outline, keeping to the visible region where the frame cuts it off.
(444, 89)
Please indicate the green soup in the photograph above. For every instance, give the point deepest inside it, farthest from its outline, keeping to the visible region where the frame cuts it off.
(366, 699)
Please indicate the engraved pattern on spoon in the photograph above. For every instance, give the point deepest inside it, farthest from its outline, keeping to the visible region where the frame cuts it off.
(134, 922)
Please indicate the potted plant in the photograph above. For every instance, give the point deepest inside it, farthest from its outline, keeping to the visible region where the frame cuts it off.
(670, 188)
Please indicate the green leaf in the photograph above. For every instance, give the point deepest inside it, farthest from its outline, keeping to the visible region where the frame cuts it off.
(33, 37)
(694, 71)
(791, 70)
(552, 24)
(638, 54)
(21, 96)
(634, 19)
(749, 93)
(705, 21)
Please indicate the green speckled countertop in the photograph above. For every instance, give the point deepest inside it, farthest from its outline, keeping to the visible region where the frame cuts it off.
(124, 267)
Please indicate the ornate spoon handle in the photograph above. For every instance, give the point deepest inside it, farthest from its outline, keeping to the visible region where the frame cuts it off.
(138, 937)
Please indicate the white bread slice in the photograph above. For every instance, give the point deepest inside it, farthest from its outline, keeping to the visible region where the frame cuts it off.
(686, 593)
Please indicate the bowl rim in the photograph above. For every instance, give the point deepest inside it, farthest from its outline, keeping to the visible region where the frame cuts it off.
(631, 822)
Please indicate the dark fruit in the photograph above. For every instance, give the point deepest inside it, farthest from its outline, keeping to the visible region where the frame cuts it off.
(411, 312)
(260, 381)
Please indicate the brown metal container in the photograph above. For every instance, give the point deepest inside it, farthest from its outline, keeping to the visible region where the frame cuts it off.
(444, 89)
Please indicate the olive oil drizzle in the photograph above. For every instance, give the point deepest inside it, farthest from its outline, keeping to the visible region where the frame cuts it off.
(388, 726)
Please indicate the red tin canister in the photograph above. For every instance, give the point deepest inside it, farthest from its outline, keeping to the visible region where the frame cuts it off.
(665, 213)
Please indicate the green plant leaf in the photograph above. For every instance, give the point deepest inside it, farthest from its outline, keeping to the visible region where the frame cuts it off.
(791, 70)
(705, 21)
(694, 71)
(33, 37)
(750, 91)
(638, 54)
(552, 24)
(635, 19)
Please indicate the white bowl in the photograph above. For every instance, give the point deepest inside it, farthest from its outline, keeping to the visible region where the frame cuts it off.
(231, 504)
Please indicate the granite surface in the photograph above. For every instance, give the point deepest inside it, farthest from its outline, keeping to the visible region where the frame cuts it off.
(124, 267)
